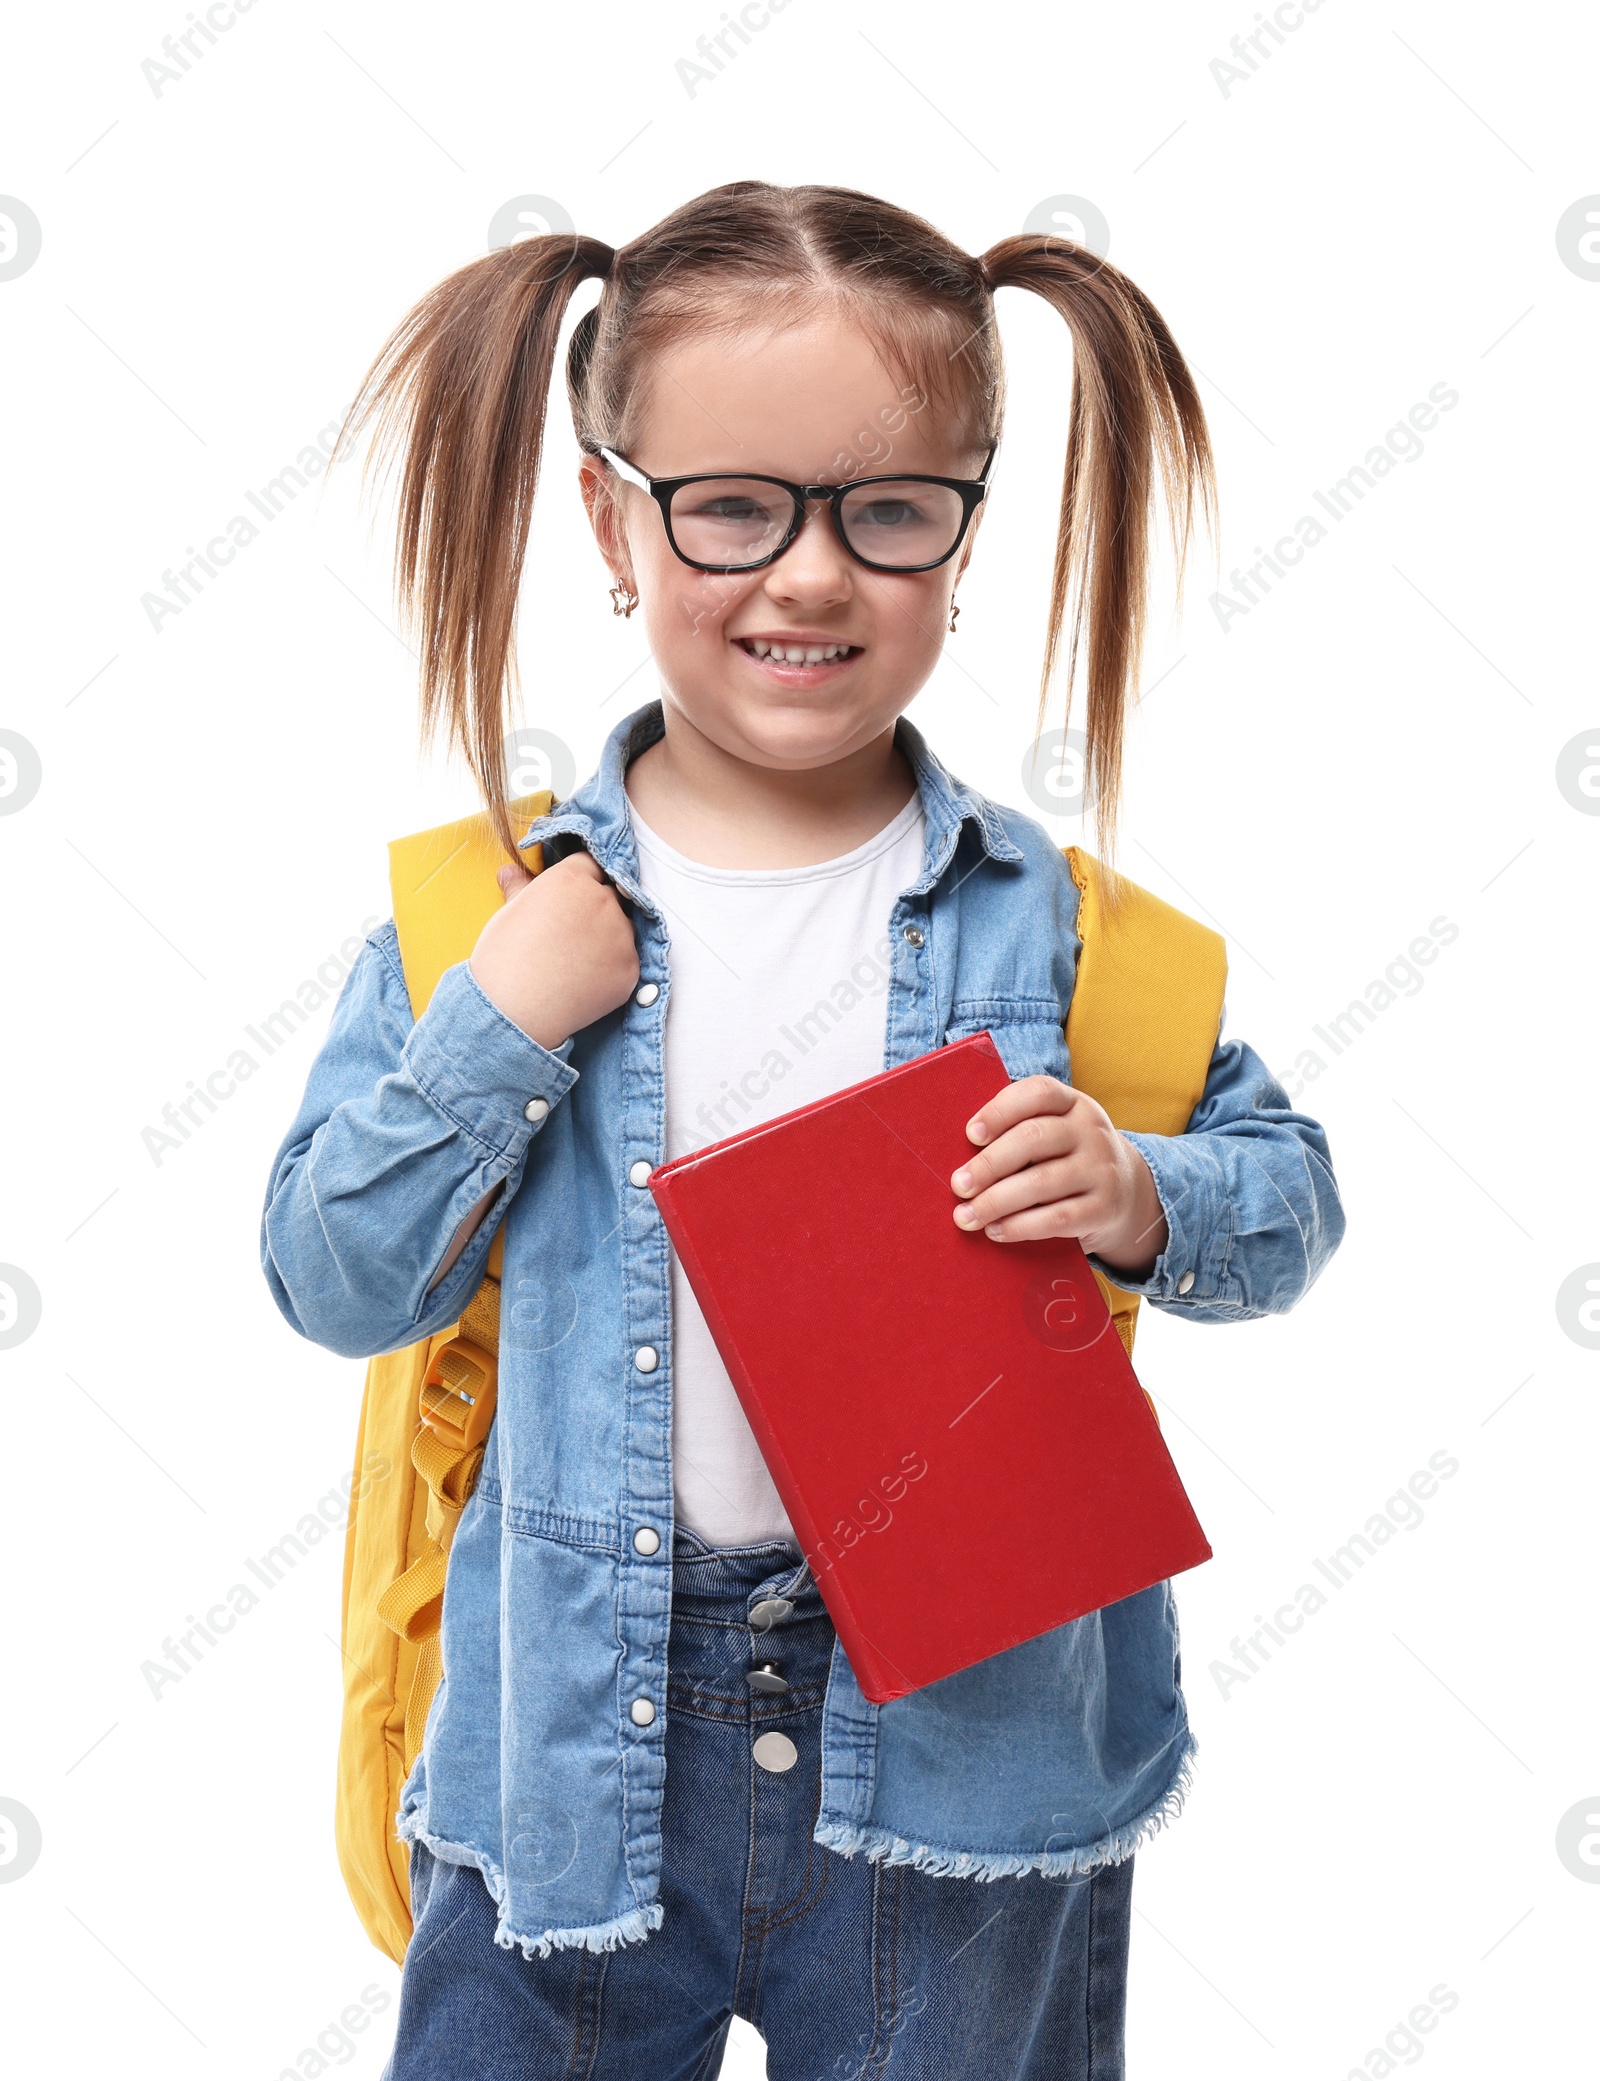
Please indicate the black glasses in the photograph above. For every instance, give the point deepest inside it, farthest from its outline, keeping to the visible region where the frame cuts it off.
(717, 522)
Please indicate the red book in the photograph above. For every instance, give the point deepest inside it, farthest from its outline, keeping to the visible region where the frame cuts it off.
(952, 1423)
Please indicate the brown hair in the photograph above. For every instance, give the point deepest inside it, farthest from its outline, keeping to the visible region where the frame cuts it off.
(464, 381)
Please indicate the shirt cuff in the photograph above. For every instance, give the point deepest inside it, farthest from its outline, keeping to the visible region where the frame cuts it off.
(480, 1069)
(1193, 1268)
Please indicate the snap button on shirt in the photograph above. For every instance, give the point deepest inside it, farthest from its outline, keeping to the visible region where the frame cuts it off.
(647, 1540)
(647, 993)
(913, 935)
(775, 1751)
(535, 1109)
(642, 1712)
(1186, 1282)
(639, 1173)
(647, 1358)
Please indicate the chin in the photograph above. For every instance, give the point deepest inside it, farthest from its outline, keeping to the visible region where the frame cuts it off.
(793, 731)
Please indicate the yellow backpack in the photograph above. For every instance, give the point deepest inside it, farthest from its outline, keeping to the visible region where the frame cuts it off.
(1143, 1021)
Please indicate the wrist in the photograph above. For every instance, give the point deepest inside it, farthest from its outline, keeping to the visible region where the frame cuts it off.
(1135, 1245)
(540, 1029)
(534, 1019)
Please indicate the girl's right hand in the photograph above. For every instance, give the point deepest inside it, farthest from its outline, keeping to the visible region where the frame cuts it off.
(561, 953)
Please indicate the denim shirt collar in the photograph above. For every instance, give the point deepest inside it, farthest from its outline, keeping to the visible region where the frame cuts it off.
(597, 812)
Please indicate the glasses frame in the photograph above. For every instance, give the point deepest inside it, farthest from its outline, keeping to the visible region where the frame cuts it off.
(973, 491)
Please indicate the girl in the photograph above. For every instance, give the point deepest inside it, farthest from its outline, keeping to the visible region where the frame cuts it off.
(651, 1794)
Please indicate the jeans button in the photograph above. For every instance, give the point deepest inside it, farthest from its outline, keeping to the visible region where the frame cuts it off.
(775, 1752)
(769, 1611)
(764, 1677)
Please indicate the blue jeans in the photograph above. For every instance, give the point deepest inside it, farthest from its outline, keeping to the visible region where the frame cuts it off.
(848, 1969)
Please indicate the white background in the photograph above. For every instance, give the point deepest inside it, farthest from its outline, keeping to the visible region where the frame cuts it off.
(1370, 748)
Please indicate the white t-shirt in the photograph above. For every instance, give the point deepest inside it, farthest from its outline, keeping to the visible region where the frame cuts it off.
(778, 997)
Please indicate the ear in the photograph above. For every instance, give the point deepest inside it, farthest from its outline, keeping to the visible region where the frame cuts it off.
(605, 517)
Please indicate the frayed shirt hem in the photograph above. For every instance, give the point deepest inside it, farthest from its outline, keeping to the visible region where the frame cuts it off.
(884, 1846)
(631, 1928)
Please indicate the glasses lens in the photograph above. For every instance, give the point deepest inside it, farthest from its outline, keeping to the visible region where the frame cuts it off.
(730, 520)
(900, 524)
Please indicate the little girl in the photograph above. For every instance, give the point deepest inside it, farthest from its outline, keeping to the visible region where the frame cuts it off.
(651, 1794)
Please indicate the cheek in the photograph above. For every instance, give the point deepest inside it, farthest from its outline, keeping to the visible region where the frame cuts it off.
(910, 614)
(685, 608)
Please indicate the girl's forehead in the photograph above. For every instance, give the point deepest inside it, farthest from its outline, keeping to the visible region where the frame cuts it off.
(796, 399)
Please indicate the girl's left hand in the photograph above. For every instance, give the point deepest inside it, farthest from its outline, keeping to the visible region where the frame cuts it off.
(1052, 1164)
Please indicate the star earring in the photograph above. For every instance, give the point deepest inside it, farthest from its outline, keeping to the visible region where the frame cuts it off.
(623, 600)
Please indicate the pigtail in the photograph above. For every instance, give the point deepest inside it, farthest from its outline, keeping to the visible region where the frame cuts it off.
(1135, 417)
(462, 386)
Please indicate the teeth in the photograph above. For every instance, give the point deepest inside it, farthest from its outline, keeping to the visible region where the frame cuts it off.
(797, 653)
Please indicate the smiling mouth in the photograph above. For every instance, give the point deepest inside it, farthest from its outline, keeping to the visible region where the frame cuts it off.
(792, 657)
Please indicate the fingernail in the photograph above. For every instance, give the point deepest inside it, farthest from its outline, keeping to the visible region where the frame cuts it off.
(976, 1131)
(965, 1217)
(996, 1231)
(961, 1180)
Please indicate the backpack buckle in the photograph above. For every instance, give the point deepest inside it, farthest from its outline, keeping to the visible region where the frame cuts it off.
(458, 1392)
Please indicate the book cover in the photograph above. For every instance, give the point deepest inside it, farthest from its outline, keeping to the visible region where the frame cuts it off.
(953, 1425)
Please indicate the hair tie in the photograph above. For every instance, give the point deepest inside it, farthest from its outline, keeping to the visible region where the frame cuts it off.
(984, 275)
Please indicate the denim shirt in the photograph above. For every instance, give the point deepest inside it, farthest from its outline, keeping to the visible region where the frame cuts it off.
(544, 1757)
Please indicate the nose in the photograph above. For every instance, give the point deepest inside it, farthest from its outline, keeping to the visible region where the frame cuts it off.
(815, 568)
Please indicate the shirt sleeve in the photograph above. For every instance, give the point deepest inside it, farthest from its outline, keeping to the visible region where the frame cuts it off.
(404, 1127)
(1253, 1211)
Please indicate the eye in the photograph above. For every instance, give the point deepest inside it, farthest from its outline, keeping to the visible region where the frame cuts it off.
(730, 502)
(728, 508)
(890, 513)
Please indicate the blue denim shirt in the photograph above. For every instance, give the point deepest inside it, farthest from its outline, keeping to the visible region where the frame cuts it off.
(544, 1760)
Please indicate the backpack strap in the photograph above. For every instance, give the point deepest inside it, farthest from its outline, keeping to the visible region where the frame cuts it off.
(1145, 1014)
(444, 887)
(444, 890)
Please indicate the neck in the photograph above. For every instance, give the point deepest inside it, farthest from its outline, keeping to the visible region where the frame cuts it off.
(723, 810)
